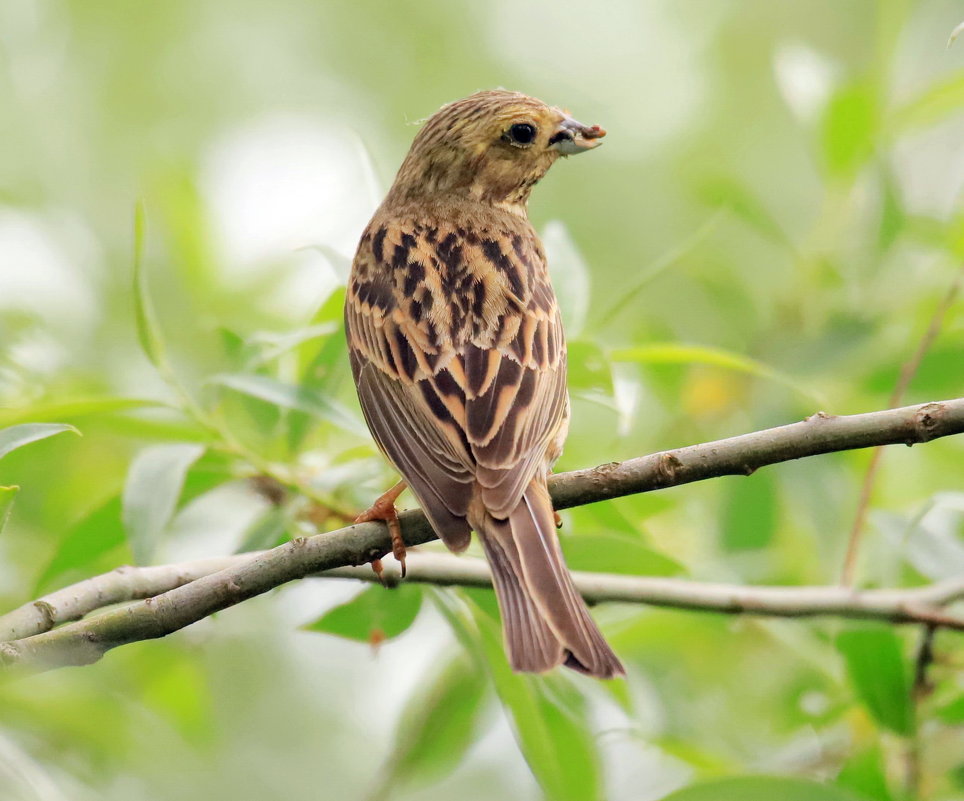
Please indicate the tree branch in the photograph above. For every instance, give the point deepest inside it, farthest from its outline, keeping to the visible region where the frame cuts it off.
(913, 605)
(187, 593)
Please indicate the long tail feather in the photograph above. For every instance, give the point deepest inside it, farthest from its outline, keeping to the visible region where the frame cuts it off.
(545, 620)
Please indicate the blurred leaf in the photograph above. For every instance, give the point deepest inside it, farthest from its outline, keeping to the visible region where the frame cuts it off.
(76, 407)
(876, 668)
(955, 234)
(213, 469)
(929, 540)
(154, 484)
(588, 367)
(761, 788)
(936, 375)
(953, 712)
(266, 347)
(892, 217)
(189, 238)
(605, 516)
(438, 725)
(735, 197)
(232, 343)
(554, 737)
(7, 497)
(849, 128)
(555, 740)
(332, 309)
(323, 368)
(460, 615)
(289, 396)
(166, 430)
(863, 773)
(177, 688)
(932, 106)
(614, 553)
(570, 276)
(955, 34)
(676, 353)
(148, 331)
(375, 614)
(339, 262)
(20, 435)
(749, 511)
(266, 531)
(91, 537)
(662, 263)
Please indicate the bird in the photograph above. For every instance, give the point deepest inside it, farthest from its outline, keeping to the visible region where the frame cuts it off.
(459, 358)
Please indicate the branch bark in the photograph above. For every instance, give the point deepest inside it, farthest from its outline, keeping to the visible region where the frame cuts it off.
(912, 605)
(177, 595)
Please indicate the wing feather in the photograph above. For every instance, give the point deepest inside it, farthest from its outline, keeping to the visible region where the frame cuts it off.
(459, 358)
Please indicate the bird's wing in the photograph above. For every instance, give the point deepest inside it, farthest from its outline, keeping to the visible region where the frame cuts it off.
(459, 358)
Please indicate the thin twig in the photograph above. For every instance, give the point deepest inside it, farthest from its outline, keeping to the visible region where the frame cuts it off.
(914, 755)
(907, 373)
(87, 641)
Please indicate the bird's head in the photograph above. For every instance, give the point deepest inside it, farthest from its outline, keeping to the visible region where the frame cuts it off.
(491, 147)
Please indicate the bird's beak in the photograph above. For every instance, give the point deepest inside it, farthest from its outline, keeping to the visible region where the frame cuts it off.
(572, 137)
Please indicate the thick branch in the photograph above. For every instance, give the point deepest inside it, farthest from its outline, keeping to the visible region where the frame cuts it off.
(244, 577)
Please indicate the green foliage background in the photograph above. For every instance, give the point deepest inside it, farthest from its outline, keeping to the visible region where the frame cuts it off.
(773, 220)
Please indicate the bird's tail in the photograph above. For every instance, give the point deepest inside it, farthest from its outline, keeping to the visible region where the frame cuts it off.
(545, 620)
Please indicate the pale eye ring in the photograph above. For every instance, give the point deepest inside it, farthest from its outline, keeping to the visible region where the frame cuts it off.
(522, 133)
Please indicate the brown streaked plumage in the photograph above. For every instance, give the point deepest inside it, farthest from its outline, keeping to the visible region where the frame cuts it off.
(459, 357)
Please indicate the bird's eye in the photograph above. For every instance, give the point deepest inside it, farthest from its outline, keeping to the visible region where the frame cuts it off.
(522, 133)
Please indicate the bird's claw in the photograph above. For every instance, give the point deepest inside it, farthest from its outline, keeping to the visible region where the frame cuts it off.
(379, 570)
(384, 510)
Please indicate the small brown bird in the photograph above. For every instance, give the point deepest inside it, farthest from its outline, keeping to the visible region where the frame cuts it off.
(459, 357)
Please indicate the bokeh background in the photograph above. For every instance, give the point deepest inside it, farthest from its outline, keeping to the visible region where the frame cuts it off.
(774, 218)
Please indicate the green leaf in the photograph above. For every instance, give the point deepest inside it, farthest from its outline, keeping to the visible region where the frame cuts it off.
(176, 686)
(932, 106)
(89, 538)
(614, 553)
(662, 263)
(7, 497)
(761, 788)
(289, 396)
(375, 612)
(955, 34)
(956, 776)
(876, 667)
(439, 723)
(734, 197)
(266, 347)
(554, 737)
(570, 276)
(71, 409)
(953, 712)
(17, 436)
(849, 128)
(589, 367)
(749, 512)
(153, 486)
(863, 773)
(676, 353)
(148, 330)
(266, 531)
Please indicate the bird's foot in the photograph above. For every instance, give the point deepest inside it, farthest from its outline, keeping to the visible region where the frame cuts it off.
(384, 509)
(555, 516)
